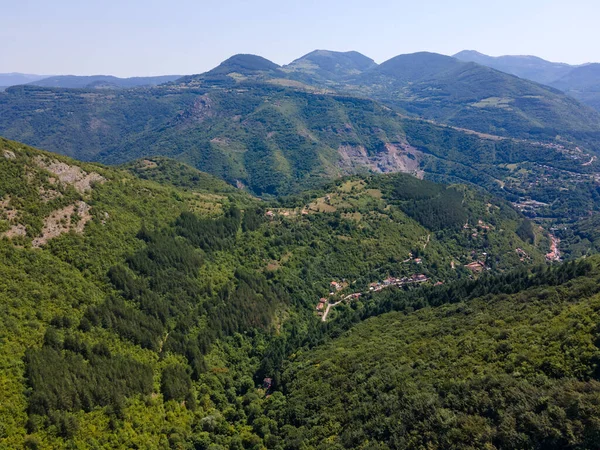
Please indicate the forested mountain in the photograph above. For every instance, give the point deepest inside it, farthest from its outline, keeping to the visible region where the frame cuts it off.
(102, 81)
(328, 67)
(476, 97)
(142, 307)
(523, 66)
(12, 79)
(581, 82)
(277, 140)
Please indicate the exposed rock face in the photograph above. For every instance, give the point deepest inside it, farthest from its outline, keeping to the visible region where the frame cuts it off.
(202, 109)
(15, 231)
(9, 155)
(397, 157)
(70, 175)
(48, 195)
(6, 211)
(61, 221)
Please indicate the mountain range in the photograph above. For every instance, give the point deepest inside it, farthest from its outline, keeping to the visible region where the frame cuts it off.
(342, 69)
(579, 81)
(83, 82)
(13, 79)
(332, 253)
(278, 130)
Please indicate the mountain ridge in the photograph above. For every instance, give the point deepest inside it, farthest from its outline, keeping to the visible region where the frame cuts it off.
(567, 78)
(183, 293)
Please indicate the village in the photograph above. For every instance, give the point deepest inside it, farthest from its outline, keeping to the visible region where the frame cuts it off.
(336, 295)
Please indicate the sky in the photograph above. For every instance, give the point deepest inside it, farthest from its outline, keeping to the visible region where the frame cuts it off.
(151, 37)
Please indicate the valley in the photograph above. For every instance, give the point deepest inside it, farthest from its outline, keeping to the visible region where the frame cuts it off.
(183, 275)
(331, 253)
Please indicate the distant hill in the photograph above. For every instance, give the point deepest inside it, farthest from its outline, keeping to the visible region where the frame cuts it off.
(529, 67)
(472, 96)
(102, 81)
(325, 65)
(237, 68)
(13, 79)
(581, 82)
(244, 64)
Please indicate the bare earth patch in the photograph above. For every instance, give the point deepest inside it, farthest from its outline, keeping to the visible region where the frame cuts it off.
(48, 195)
(60, 222)
(9, 155)
(147, 164)
(6, 211)
(14, 231)
(400, 157)
(71, 175)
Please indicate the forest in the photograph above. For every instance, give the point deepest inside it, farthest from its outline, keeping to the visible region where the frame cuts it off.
(183, 315)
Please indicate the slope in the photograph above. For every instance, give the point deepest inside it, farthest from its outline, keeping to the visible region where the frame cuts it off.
(102, 81)
(512, 365)
(476, 97)
(525, 66)
(275, 140)
(137, 313)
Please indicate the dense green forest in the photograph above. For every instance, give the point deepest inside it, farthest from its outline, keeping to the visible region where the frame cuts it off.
(514, 367)
(330, 254)
(145, 306)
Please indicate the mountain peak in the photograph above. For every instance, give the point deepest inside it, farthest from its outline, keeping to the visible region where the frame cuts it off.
(330, 64)
(245, 64)
(417, 65)
(524, 66)
(466, 53)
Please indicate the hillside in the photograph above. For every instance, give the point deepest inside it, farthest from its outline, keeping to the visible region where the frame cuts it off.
(523, 66)
(476, 97)
(273, 140)
(168, 171)
(143, 314)
(580, 82)
(505, 367)
(101, 81)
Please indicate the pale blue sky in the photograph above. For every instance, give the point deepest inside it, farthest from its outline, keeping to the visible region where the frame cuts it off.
(151, 37)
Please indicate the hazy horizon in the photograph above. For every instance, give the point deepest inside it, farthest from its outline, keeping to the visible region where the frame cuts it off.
(183, 37)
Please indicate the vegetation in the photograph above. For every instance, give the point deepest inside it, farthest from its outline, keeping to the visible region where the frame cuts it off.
(154, 305)
(155, 324)
(498, 371)
(580, 82)
(275, 132)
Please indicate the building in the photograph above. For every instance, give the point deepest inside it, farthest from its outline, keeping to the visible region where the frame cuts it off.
(476, 266)
(267, 383)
